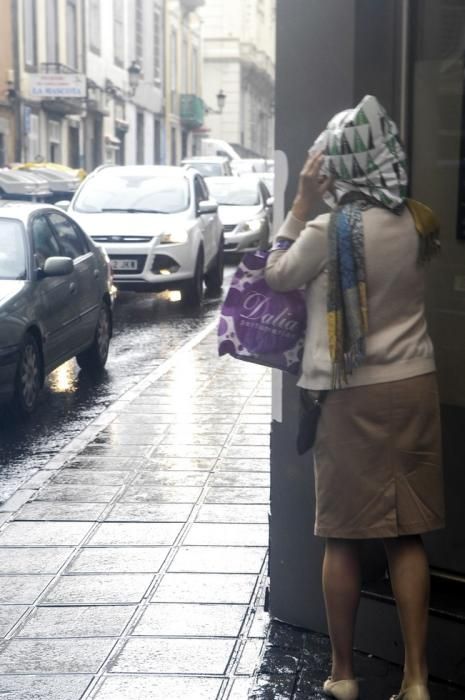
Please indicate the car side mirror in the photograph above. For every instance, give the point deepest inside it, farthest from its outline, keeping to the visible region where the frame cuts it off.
(270, 202)
(208, 206)
(63, 204)
(57, 267)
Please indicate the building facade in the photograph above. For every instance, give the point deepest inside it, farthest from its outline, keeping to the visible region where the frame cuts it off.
(239, 58)
(184, 107)
(87, 82)
(47, 39)
(8, 102)
(410, 54)
(124, 123)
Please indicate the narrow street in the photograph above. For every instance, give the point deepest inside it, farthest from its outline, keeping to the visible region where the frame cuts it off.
(148, 328)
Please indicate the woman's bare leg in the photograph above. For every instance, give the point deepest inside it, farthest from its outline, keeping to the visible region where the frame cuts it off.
(410, 580)
(341, 588)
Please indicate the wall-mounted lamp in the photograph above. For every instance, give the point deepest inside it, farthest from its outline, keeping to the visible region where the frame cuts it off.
(220, 101)
(134, 73)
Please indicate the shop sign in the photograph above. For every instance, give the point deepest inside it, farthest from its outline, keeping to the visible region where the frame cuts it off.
(57, 85)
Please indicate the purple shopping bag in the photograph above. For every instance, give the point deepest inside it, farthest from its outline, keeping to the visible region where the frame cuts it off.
(260, 325)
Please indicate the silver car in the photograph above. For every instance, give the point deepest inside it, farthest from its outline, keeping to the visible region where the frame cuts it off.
(56, 299)
(158, 226)
(245, 209)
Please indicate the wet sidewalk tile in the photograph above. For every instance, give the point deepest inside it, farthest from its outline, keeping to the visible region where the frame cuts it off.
(178, 463)
(129, 534)
(22, 590)
(150, 512)
(90, 621)
(246, 465)
(232, 513)
(44, 533)
(70, 687)
(74, 492)
(43, 510)
(205, 588)
(54, 655)
(161, 494)
(191, 619)
(144, 687)
(9, 616)
(241, 479)
(98, 589)
(119, 560)
(166, 655)
(31, 560)
(237, 495)
(171, 478)
(91, 476)
(243, 560)
(249, 657)
(237, 534)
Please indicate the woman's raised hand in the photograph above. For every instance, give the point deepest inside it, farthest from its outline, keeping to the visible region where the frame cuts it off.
(311, 187)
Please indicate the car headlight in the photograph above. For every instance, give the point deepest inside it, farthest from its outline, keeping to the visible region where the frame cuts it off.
(174, 237)
(252, 226)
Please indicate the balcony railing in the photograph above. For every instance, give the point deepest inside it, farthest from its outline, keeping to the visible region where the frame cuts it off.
(192, 111)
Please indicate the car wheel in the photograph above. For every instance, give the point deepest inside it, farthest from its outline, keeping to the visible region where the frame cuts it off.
(192, 291)
(95, 357)
(29, 375)
(214, 276)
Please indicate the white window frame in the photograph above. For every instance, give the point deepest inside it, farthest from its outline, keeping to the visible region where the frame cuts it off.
(118, 32)
(157, 44)
(30, 36)
(139, 30)
(52, 31)
(95, 26)
(72, 49)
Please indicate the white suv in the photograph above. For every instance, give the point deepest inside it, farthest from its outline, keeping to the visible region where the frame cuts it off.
(158, 226)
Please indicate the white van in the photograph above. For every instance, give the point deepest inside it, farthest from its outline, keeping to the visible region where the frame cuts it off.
(218, 147)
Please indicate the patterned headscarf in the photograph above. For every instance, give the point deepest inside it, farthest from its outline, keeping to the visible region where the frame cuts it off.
(363, 156)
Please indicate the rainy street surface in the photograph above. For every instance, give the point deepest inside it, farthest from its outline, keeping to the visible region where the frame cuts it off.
(148, 328)
(133, 564)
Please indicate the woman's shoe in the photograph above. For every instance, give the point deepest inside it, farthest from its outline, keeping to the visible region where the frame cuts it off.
(341, 690)
(413, 692)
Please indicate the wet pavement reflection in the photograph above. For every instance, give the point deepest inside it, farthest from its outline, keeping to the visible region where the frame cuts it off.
(148, 328)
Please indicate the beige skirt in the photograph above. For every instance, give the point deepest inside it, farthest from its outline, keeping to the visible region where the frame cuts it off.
(377, 461)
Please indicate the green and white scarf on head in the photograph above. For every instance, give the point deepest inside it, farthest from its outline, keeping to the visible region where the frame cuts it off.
(363, 154)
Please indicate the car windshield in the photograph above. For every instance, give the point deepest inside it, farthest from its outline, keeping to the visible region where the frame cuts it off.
(134, 193)
(207, 169)
(12, 250)
(234, 193)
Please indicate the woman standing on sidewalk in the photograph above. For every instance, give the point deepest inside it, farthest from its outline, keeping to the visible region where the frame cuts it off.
(377, 454)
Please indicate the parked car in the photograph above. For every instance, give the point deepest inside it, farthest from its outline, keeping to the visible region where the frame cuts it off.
(158, 225)
(209, 166)
(79, 173)
(23, 186)
(245, 208)
(248, 165)
(61, 184)
(267, 179)
(56, 299)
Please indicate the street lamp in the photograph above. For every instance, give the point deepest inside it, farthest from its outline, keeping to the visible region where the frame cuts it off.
(134, 73)
(220, 101)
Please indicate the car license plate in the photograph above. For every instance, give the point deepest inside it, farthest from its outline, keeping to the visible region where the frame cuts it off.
(123, 265)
